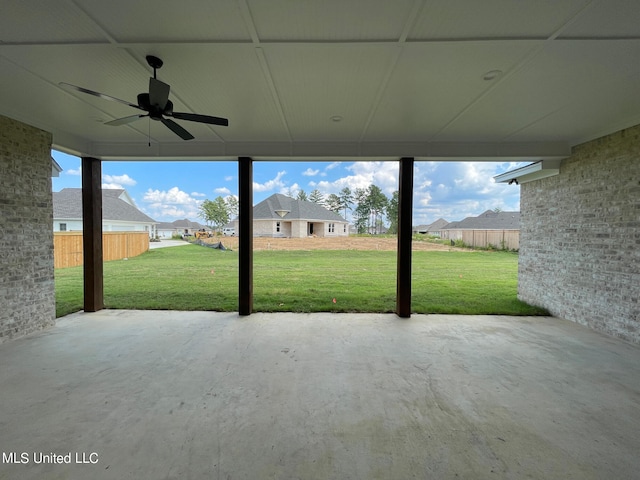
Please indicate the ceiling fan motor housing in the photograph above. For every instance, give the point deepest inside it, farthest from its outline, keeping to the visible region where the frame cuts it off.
(154, 111)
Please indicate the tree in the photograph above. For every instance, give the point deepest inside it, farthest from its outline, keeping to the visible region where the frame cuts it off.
(316, 197)
(377, 202)
(392, 213)
(302, 195)
(333, 203)
(346, 199)
(214, 212)
(361, 213)
(232, 206)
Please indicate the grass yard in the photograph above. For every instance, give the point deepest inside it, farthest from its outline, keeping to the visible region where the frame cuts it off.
(198, 278)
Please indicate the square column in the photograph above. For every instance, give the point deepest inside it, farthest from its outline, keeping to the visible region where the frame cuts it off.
(245, 235)
(405, 214)
(92, 234)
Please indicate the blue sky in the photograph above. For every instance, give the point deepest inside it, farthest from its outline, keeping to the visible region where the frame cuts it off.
(168, 191)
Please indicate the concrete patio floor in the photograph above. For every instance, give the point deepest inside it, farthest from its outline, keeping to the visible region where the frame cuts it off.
(194, 395)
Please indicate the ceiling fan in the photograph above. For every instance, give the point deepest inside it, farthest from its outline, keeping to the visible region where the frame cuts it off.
(157, 105)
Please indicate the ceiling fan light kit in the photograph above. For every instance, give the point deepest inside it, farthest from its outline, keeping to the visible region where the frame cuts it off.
(156, 104)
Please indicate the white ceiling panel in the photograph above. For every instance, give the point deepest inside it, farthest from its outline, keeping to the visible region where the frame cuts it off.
(557, 83)
(610, 18)
(50, 108)
(433, 83)
(223, 81)
(463, 19)
(330, 20)
(42, 21)
(168, 20)
(320, 83)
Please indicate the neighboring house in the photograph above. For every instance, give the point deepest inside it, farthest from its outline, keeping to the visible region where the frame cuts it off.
(165, 230)
(179, 227)
(282, 216)
(489, 228)
(119, 212)
(434, 228)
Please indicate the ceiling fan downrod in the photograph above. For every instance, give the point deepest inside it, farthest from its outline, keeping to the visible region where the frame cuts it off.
(155, 63)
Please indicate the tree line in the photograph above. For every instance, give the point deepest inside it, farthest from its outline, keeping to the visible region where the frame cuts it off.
(370, 207)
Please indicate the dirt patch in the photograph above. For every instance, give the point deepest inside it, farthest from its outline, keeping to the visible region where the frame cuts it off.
(333, 243)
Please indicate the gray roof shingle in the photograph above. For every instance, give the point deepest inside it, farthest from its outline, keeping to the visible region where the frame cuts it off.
(67, 204)
(292, 209)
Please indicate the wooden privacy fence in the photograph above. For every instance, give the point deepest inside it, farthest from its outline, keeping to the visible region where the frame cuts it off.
(67, 247)
(501, 239)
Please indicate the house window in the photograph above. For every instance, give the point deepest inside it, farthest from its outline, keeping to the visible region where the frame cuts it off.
(344, 228)
(332, 227)
(277, 226)
(63, 227)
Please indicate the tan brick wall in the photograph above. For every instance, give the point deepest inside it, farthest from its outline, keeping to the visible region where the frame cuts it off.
(580, 237)
(27, 291)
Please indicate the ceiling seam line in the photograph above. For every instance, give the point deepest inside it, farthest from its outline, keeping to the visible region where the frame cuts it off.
(416, 10)
(112, 40)
(381, 89)
(571, 21)
(247, 17)
(266, 72)
(126, 44)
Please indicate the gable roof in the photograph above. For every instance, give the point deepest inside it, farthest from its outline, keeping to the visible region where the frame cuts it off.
(116, 205)
(186, 223)
(278, 206)
(488, 220)
(437, 225)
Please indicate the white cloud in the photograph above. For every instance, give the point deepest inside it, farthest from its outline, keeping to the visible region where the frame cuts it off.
(119, 180)
(272, 184)
(293, 190)
(222, 190)
(309, 172)
(111, 186)
(198, 194)
(228, 178)
(174, 196)
(171, 204)
(332, 165)
(455, 190)
(75, 172)
(451, 190)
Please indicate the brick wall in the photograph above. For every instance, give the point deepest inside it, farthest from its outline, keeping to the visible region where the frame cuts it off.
(27, 295)
(580, 237)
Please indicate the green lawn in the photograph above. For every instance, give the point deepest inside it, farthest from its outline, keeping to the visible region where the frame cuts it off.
(197, 278)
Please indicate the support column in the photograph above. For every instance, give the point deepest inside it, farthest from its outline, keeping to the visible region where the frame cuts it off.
(92, 234)
(245, 235)
(405, 214)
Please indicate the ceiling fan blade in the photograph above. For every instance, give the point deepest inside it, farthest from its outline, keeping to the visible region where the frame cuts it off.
(158, 93)
(124, 120)
(194, 117)
(177, 129)
(99, 95)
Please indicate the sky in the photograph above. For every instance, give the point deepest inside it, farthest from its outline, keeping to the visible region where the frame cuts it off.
(168, 191)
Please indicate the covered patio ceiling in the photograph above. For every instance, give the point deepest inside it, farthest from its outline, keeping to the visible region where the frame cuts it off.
(429, 79)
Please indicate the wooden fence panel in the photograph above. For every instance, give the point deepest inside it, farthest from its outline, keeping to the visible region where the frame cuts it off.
(67, 247)
(508, 239)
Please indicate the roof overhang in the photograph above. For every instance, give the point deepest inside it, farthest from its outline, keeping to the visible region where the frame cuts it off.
(529, 173)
